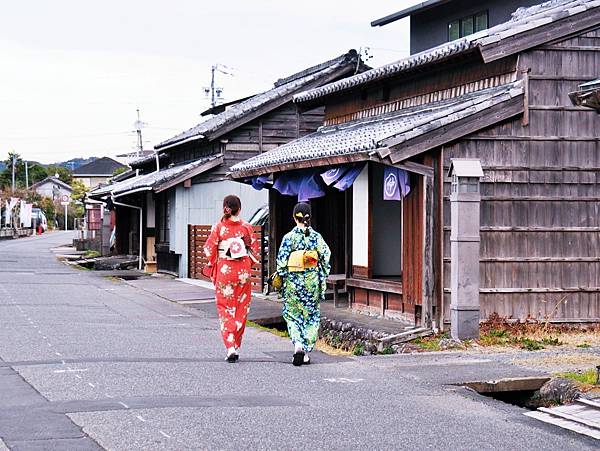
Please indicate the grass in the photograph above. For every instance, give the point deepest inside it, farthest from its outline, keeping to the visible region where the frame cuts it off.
(81, 268)
(358, 349)
(428, 343)
(91, 254)
(387, 350)
(279, 333)
(587, 377)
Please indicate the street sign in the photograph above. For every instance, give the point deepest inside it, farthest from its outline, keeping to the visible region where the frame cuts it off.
(65, 200)
(65, 203)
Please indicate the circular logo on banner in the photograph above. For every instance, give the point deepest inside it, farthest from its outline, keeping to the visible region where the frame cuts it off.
(332, 173)
(391, 184)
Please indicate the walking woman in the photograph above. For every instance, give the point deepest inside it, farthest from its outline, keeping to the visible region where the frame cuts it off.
(229, 249)
(303, 263)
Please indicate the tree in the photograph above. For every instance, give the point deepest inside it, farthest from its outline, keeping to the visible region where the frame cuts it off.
(36, 173)
(120, 171)
(79, 190)
(63, 173)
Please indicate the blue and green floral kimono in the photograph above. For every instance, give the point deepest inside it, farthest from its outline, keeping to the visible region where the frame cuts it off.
(303, 291)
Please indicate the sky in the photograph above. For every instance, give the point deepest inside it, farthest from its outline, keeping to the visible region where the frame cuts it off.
(74, 72)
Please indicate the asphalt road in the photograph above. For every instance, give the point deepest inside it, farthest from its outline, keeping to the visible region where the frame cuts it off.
(90, 363)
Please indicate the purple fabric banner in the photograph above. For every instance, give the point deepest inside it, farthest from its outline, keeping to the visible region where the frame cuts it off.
(396, 183)
(259, 182)
(349, 177)
(304, 184)
(333, 175)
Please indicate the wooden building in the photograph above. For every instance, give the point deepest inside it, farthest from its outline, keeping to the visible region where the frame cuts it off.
(193, 164)
(499, 95)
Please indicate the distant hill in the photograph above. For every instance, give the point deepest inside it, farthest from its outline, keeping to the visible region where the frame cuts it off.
(71, 164)
(74, 163)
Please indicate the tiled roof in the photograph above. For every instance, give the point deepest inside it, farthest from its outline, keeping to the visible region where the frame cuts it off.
(523, 19)
(104, 166)
(284, 88)
(142, 161)
(152, 180)
(366, 136)
(52, 179)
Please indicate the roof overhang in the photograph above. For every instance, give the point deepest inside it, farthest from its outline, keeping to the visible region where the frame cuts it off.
(416, 9)
(392, 138)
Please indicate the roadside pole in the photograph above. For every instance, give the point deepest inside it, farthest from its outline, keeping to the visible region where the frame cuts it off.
(65, 201)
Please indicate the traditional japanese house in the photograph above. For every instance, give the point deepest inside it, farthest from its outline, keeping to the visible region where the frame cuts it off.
(499, 95)
(196, 161)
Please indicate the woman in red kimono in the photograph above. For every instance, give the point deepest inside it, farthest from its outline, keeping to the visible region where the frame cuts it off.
(230, 249)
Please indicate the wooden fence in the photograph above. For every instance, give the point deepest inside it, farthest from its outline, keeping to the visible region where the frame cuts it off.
(197, 236)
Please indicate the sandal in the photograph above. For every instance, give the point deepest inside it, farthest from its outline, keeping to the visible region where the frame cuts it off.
(298, 358)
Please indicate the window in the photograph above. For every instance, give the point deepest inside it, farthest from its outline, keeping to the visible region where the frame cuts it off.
(465, 26)
(164, 218)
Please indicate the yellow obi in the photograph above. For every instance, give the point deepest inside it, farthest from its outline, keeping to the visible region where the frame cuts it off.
(301, 260)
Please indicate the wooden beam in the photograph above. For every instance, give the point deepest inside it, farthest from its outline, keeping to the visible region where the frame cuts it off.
(531, 138)
(428, 238)
(525, 78)
(318, 162)
(456, 130)
(409, 166)
(541, 35)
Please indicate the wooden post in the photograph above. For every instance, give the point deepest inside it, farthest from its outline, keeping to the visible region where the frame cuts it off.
(525, 74)
(428, 241)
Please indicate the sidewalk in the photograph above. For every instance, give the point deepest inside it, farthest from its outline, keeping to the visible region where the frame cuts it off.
(266, 310)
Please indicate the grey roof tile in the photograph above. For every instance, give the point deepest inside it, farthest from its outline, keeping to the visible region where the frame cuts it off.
(523, 19)
(368, 135)
(149, 180)
(283, 87)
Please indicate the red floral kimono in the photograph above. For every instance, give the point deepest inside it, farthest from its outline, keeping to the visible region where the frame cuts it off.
(231, 278)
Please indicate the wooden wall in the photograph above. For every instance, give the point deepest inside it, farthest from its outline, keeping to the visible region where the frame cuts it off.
(540, 235)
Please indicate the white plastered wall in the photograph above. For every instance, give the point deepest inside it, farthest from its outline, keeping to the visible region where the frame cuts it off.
(360, 219)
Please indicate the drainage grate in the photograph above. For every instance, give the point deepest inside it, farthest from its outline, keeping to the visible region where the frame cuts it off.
(516, 391)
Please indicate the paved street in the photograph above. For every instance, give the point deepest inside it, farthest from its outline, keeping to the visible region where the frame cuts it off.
(88, 363)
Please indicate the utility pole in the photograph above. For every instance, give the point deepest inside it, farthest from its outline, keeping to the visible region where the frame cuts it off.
(138, 129)
(26, 175)
(216, 93)
(14, 163)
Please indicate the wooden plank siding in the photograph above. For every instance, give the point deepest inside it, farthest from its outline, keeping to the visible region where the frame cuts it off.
(197, 236)
(540, 211)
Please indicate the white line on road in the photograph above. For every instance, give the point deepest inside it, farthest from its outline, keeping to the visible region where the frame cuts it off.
(107, 395)
(91, 385)
(343, 380)
(124, 405)
(139, 417)
(164, 434)
(78, 376)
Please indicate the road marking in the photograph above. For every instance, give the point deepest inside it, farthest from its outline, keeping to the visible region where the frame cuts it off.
(107, 395)
(180, 316)
(70, 370)
(343, 380)
(124, 405)
(139, 417)
(58, 354)
(164, 434)
(91, 385)
(78, 376)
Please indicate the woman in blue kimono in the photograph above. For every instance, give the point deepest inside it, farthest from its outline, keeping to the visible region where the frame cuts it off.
(303, 264)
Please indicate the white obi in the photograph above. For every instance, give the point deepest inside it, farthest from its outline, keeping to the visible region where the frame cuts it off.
(232, 248)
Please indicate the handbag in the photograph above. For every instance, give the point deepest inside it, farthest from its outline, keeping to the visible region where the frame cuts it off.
(275, 281)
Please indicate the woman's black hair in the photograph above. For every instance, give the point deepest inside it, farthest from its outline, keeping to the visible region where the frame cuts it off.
(302, 214)
(231, 206)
